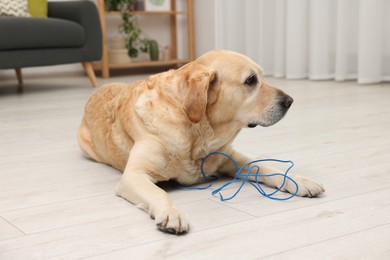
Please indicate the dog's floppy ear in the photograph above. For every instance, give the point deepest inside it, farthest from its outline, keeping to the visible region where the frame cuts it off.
(200, 80)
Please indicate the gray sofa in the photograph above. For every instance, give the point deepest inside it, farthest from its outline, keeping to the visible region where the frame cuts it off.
(70, 34)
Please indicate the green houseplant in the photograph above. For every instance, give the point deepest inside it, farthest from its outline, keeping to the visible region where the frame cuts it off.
(119, 5)
(135, 40)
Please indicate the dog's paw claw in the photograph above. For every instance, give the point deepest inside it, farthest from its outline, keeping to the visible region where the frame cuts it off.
(172, 221)
(306, 187)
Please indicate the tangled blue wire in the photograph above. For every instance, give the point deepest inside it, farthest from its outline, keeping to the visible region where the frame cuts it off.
(243, 178)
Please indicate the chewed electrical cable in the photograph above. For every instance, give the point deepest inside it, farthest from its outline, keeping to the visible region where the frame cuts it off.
(253, 171)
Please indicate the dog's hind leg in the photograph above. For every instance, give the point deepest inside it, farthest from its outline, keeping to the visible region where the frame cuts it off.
(85, 141)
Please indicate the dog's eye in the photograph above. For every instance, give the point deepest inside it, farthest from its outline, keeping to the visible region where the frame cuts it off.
(251, 80)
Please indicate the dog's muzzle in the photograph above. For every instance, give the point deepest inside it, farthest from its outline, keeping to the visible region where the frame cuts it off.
(275, 114)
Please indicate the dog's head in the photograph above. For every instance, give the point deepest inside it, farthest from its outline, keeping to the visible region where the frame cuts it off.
(229, 87)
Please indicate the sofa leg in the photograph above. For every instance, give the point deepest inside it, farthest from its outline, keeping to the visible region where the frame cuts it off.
(20, 79)
(91, 74)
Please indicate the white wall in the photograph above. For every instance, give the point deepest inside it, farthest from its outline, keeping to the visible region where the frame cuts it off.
(205, 17)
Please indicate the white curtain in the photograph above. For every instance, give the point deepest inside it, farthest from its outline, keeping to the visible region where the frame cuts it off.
(318, 39)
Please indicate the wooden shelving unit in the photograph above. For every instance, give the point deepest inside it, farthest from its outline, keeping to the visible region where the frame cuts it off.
(105, 66)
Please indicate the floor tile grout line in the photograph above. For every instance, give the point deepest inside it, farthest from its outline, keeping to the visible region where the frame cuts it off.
(54, 203)
(313, 205)
(229, 206)
(89, 222)
(6, 220)
(68, 237)
(56, 183)
(325, 240)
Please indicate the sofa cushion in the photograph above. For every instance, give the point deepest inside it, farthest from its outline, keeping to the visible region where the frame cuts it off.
(14, 8)
(37, 8)
(35, 33)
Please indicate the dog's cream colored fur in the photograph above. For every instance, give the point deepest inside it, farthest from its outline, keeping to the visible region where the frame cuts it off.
(160, 129)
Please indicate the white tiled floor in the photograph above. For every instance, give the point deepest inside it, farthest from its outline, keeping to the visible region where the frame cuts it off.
(56, 204)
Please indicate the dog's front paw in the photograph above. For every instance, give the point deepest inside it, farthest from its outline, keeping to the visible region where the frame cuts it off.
(173, 221)
(306, 187)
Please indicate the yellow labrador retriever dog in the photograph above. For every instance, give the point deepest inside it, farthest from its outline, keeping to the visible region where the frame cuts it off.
(160, 128)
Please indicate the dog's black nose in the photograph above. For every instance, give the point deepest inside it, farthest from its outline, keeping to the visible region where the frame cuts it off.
(287, 101)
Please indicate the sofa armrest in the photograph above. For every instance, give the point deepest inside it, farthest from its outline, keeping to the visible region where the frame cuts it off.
(84, 13)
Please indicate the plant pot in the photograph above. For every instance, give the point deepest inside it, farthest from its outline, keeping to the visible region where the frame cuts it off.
(153, 50)
(117, 43)
(119, 56)
(140, 5)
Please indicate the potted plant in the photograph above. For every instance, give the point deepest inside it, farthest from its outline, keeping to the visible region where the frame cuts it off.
(135, 40)
(120, 5)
